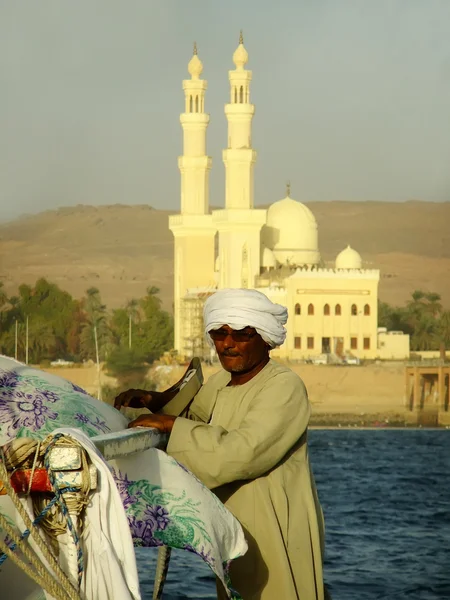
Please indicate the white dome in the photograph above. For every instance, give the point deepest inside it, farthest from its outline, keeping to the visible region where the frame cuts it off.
(348, 259)
(291, 231)
(268, 259)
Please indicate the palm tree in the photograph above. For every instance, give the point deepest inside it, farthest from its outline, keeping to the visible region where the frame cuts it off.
(3, 296)
(422, 316)
(95, 333)
(434, 306)
(424, 336)
(3, 303)
(444, 328)
(41, 339)
(418, 296)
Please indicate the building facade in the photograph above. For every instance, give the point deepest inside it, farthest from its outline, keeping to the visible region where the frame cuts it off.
(332, 311)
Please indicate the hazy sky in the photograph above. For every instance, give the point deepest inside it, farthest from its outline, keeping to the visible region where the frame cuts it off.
(352, 98)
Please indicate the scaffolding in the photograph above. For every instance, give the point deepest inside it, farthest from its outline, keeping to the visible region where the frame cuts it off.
(192, 330)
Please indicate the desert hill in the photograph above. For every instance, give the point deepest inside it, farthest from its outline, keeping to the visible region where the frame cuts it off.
(124, 249)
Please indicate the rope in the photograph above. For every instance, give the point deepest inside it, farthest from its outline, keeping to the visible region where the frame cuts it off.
(162, 568)
(23, 452)
(34, 568)
(73, 503)
(36, 454)
(27, 532)
(41, 575)
(20, 453)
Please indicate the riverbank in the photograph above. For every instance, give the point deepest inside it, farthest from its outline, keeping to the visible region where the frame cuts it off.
(341, 396)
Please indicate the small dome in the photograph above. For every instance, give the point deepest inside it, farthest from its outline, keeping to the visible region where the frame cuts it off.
(240, 56)
(348, 259)
(195, 65)
(268, 258)
(291, 232)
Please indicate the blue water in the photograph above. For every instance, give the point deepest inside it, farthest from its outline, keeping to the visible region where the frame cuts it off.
(386, 499)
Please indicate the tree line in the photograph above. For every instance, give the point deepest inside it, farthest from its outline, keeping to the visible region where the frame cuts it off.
(58, 326)
(423, 318)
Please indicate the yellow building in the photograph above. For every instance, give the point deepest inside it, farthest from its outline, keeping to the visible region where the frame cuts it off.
(332, 311)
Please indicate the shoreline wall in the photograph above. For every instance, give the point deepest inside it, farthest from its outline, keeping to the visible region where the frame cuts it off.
(371, 389)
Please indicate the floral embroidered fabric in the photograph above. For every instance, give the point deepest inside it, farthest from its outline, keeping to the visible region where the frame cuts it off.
(165, 504)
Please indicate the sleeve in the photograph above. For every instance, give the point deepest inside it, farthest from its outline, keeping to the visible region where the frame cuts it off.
(278, 416)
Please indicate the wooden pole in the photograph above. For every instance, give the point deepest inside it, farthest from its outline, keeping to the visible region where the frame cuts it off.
(99, 387)
(16, 341)
(417, 394)
(441, 388)
(408, 389)
(129, 331)
(26, 341)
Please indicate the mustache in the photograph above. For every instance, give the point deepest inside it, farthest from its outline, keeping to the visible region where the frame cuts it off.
(229, 353)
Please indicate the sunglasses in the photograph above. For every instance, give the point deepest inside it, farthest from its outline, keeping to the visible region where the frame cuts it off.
(237, 335)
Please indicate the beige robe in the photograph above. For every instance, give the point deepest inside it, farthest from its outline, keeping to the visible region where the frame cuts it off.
(248, 444)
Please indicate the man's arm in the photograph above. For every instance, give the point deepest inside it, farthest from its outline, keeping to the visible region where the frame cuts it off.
(277, 418)
(199, 410)
(153, 401)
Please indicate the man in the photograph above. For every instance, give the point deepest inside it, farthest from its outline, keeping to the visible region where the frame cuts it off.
(245, 437)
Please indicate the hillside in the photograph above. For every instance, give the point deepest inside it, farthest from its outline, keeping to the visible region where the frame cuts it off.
(124, 249)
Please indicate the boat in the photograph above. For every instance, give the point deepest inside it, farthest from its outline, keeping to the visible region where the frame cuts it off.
(74, 479)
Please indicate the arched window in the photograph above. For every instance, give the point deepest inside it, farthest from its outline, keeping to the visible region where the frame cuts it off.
(326, 309)
(337, 310)
(298, 309)
(354, 310)
(310, 309)
(366, 310)
(235, 95)
(241, 95)
(196, 103)
(190, 104)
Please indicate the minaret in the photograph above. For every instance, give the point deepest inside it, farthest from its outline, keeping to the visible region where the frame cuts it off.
(194, 165)
(192, 228)
(239, 224)
(239, 157)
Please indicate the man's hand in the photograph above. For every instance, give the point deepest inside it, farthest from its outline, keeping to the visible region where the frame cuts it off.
(162, 422)
(133, 399)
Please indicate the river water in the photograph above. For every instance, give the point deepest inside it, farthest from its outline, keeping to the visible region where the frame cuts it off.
(386, 498)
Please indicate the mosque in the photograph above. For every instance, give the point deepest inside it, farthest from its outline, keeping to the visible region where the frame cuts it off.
(332, 311)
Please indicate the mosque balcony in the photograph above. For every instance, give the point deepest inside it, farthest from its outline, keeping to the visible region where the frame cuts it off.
(195, 85)
(194, 119)
(187, 224)
(237, 110)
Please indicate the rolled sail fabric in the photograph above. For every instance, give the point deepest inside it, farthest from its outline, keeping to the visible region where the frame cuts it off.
(164, 503)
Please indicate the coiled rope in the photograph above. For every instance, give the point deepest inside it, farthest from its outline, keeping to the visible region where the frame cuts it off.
(20, 453)
(71, 502)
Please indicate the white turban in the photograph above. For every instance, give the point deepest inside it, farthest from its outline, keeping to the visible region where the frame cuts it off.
(239, 308)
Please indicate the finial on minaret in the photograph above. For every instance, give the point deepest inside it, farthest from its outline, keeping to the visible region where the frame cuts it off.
(195, 66)
(288, 189)
(240, 56)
